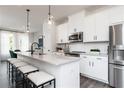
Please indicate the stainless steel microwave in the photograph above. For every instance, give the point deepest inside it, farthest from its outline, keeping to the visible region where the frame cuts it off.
(76, 37)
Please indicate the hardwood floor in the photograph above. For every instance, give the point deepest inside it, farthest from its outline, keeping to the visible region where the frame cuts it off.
(84, 81)
(90, 83)
(4, 82)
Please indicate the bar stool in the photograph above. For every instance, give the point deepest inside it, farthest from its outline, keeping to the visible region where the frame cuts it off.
(11, 59)
(40, 79)
(25, 70)
(9, 65)
(15, 74)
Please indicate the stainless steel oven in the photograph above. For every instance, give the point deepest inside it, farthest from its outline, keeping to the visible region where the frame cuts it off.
(116, 55)
(76, 37)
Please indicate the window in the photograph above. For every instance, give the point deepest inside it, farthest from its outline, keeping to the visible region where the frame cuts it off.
(12, 41)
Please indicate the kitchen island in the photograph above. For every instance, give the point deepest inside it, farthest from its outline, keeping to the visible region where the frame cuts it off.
(65, 69)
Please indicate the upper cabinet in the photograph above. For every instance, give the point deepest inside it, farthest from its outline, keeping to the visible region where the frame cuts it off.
(102, 26)
(75, 22)
(49, 44)
(116, 14)
(96, 27)
(62, 33)
(89, 28)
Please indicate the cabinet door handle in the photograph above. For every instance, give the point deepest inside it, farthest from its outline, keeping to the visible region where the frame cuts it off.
(99, 58)
(92, 64)
(89, 63)
(94, 38)
(84, 57)
(75, 30)
(61, 40)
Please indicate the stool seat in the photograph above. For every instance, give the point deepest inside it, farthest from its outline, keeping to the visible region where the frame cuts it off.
(27, 69)
(14, 61)
(11, 59)
(19, 64)
(40, 77)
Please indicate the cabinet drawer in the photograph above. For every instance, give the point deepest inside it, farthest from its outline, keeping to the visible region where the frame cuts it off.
(101, 59)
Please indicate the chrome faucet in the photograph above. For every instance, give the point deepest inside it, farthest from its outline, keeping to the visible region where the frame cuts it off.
(32, 46)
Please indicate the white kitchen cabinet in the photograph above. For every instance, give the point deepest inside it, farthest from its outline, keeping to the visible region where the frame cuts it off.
(102, 26)
(95, 67)
(116, 14)
(49, 40)
(85, 65)
(89, 28)
(75, 22)
(62, 33)
(96, 27)
(100, 68)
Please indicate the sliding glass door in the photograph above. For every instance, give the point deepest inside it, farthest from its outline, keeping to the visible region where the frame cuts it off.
(12, 41)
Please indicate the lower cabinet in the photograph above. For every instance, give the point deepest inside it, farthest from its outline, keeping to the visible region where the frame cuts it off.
(95, 67)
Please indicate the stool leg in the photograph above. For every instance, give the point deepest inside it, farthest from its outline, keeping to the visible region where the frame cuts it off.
(12, 75)
(54, 83)
(9, 73)
(9, 70)
(23, 82)
(42, 86)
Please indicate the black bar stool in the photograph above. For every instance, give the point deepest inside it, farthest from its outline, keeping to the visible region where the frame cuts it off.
(25, 70)
(9, 65)
(40, 79)
(15, 75)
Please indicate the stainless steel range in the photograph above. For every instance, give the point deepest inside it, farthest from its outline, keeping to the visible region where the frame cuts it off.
(116, 55)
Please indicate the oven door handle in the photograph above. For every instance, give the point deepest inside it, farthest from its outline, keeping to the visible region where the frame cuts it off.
(119, 68)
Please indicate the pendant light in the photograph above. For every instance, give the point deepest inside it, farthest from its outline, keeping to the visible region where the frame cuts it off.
(50, 17)
(28, 24)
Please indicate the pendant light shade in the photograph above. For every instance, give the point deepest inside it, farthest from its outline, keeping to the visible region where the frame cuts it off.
(50, 17)
(28, 24)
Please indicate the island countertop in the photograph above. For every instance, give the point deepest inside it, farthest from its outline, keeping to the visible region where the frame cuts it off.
(50, 58)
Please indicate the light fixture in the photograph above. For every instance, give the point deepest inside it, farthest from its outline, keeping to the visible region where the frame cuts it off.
(50, 17)
(28, 24)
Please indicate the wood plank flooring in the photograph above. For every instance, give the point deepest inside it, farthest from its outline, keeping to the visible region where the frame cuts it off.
(84, 81)
(90, 83)
(4, 82)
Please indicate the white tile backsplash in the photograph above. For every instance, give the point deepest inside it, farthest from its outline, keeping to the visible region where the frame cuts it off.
(87, 46)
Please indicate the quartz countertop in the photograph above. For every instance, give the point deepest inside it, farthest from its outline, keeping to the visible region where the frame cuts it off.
(50, 58)
(93, 54)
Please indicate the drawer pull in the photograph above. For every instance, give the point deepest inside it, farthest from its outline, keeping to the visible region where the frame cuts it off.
(84, 57)
(99, 58)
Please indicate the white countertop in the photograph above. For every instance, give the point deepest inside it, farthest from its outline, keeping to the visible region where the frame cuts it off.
(50, 58)
(93, 54)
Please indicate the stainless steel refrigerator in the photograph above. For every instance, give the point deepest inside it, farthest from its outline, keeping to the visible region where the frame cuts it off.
(116, 55)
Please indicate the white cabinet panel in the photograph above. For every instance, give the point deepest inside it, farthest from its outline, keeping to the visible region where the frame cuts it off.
(49, 40)
(89, 28)
(76, 23)
(96, 27)
(62, 33)
(100, 68)
(85, 65)
(95, 67)
(102, 26)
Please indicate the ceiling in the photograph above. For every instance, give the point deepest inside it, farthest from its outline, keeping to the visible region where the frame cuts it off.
(14, 17)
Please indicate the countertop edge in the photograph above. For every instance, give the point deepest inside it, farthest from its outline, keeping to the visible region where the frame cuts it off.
(59, 64)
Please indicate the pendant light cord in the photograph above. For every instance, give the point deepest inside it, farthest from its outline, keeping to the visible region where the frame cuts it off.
(28, 19)
(49, 12)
